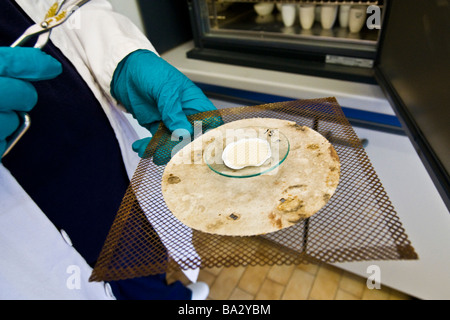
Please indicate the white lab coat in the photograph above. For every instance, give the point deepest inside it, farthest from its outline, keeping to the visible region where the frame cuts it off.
(37, 261)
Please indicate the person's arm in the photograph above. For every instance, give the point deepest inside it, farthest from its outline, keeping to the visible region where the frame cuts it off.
(154, 91)
(117, 54)
(126, 64)
(105, 37)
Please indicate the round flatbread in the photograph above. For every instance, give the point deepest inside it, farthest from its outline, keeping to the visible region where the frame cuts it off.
(207, 201)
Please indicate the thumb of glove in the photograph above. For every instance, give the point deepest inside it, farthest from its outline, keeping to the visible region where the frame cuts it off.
(139, 146)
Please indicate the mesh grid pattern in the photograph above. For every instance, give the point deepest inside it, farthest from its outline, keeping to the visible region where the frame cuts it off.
(358, 223)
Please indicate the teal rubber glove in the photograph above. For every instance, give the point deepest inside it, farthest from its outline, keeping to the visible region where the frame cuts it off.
(19, 66)
(152, 90)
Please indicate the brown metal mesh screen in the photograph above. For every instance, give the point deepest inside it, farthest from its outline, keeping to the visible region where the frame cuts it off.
(359, 222)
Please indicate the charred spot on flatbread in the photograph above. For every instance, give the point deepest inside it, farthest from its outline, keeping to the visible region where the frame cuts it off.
(234, 216)
(333, 153)
(290, 204)
(313, 146)
(173, 179)
(298, 127)
(275, 220)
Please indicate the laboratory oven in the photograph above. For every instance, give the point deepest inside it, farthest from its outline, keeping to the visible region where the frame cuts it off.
(330, 38)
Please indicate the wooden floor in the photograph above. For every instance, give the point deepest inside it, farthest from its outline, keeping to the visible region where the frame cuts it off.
(294, 282)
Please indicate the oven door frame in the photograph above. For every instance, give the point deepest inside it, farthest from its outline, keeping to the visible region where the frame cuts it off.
(412, 113)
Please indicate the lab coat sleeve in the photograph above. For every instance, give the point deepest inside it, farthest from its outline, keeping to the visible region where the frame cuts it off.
(106, 37)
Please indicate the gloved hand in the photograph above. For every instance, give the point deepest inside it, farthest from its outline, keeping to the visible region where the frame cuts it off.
(152, 90)
(18, 66)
